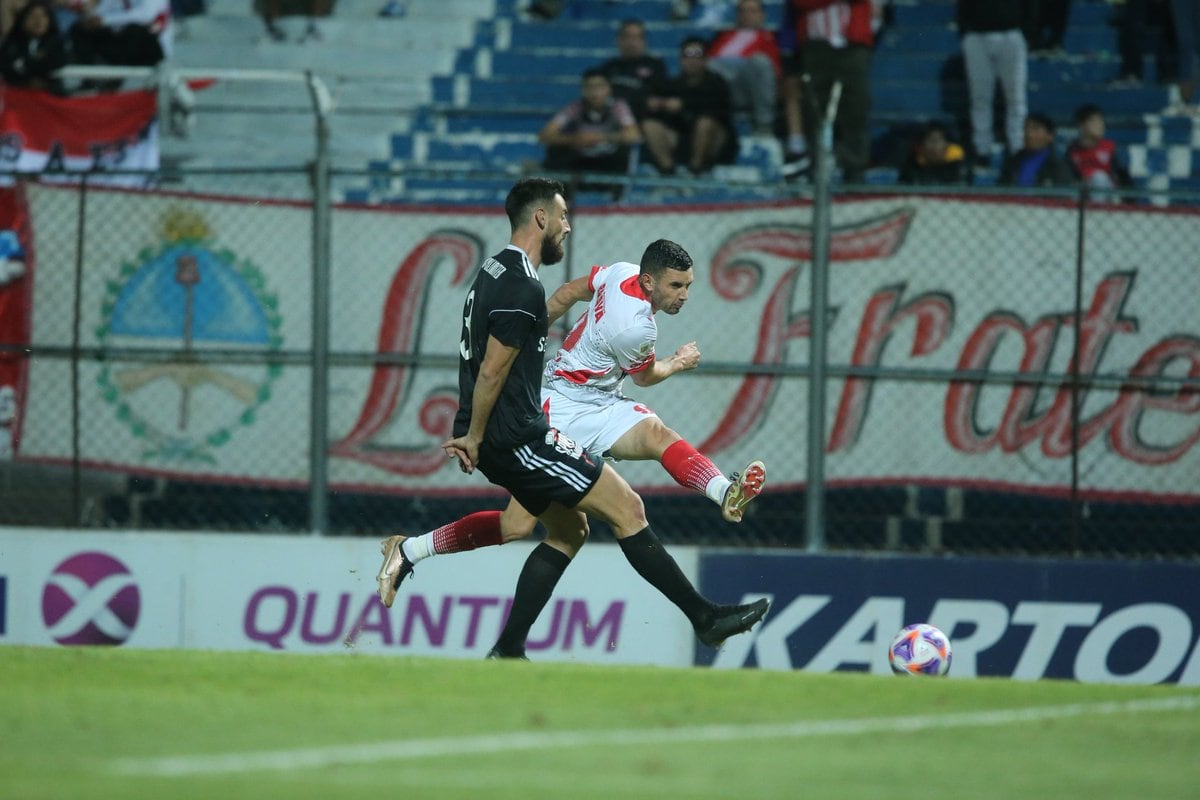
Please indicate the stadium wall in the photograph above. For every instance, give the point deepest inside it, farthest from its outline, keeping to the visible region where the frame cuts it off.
(1088, 621)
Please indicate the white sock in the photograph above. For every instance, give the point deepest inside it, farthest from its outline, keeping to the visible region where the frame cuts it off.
(418, 548)
(716, 488)
(796, 143)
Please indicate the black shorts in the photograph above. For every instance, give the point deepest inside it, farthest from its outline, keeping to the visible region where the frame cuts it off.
(553, 470)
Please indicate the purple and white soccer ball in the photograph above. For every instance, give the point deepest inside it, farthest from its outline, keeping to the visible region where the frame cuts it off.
(920, 649)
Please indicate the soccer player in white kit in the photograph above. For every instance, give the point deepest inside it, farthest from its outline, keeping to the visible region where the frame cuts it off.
(615, 338)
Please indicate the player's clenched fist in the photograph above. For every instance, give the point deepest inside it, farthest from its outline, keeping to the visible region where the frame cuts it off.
(688, 356)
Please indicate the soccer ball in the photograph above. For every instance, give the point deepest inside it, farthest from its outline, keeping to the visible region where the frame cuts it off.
(920, 649)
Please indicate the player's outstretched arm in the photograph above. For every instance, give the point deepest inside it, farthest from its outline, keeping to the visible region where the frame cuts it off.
(568, 295)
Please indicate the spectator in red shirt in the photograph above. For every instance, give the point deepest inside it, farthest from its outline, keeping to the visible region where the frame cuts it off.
(1092, 156)
(747, 57)
(835, 38)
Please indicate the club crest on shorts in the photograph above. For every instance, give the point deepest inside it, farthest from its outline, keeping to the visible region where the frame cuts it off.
(566, 445)
(188, 296)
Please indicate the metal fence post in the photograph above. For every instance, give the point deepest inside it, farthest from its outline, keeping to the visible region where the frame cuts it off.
(814, 490)
(318, 509)
(1076, 354)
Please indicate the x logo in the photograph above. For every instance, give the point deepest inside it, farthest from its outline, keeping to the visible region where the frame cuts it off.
(91, 605)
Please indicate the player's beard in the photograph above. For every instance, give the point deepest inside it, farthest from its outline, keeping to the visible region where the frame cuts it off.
(552, 251)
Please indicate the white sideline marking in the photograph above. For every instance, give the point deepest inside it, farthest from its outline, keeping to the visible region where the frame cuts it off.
(502, 742)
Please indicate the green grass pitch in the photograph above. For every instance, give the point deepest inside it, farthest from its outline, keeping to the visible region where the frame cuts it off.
(116, 723)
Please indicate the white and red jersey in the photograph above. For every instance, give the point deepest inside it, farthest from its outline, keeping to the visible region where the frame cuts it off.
(615, 338)
(839, 22)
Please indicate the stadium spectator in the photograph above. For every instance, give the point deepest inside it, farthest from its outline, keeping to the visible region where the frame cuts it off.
(615, 338)
(66, 12)
(1186, 16)
(501, 429)
(591, 134)
(835, 38)
(796, 160)
(1037, 164)
(272, 10)
(633, 70)
(934, 159)
(994, 49)
(34, 49)
(690, 116)
(747, 57)
(1094, 157)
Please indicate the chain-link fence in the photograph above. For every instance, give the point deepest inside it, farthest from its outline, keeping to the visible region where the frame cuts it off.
(1003, 373)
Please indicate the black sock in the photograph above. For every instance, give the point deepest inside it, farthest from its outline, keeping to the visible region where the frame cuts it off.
(539, 576)
(651, 560)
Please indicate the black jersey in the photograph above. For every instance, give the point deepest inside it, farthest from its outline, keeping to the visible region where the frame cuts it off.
(508, 301)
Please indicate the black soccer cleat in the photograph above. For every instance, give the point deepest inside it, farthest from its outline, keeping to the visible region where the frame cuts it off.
(495, 654)
(731, 620)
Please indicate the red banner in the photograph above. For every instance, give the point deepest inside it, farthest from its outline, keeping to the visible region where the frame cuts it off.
(43, 132)
(16, 296)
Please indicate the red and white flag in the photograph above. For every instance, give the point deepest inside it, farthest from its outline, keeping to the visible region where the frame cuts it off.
(41, 132)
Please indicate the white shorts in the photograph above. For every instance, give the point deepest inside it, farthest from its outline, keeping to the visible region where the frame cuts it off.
(593, 419)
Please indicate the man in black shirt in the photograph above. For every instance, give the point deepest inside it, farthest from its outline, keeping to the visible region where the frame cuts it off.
(690, 117)
(501, 430)
(633, 71)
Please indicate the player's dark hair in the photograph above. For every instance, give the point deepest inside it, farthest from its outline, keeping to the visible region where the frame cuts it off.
(527, 193)
(664, 254)
(631, 22)
(594, 72)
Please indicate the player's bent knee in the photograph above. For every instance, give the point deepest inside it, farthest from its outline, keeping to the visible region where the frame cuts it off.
(514, 527)
(572, 537)
(614, 501)
(664, 438)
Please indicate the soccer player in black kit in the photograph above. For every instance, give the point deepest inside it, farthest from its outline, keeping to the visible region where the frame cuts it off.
(501, 430)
